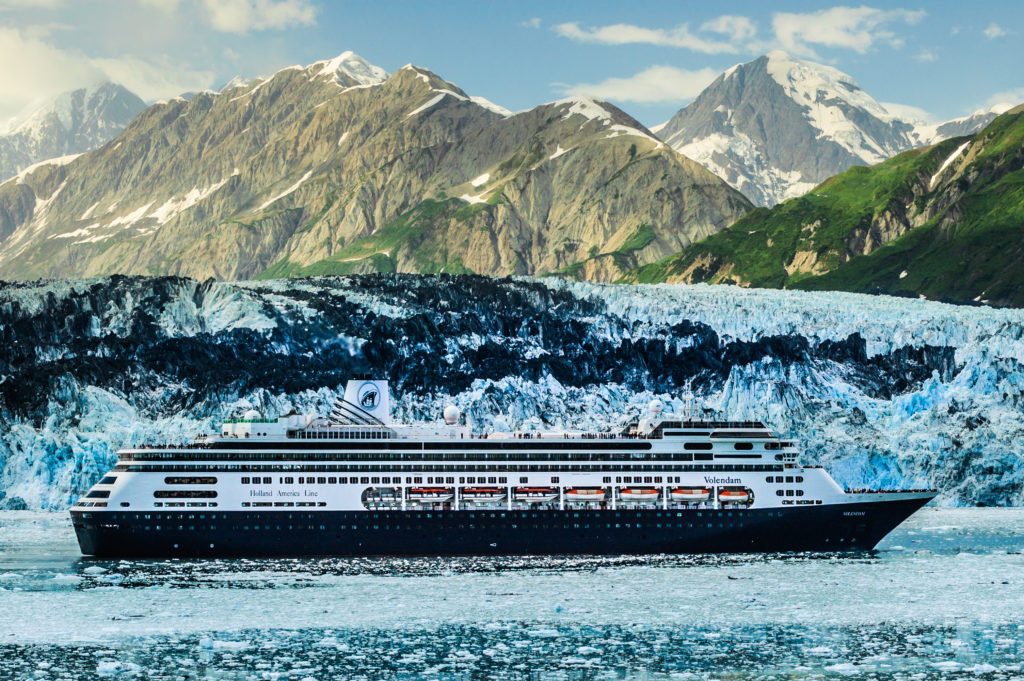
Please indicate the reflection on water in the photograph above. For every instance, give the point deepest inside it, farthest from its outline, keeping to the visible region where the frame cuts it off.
(940, 598)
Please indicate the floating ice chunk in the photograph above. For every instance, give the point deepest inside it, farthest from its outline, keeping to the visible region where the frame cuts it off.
(94, 570)
(844, 668)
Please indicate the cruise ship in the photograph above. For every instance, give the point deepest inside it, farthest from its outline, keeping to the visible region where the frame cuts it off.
(355, 483)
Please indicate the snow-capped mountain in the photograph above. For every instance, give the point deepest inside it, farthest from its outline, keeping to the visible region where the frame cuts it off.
(882, 391)
(776, 127)
(71, 123)
(340, 167)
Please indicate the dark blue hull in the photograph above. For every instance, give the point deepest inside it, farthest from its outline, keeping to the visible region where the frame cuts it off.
(157, 534)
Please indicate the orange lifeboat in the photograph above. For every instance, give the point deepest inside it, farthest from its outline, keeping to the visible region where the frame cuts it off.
(483, 495)
(430, 495)
(733, 496)
(535, 495)
(639, 494)
(584, 495)
(690, 495)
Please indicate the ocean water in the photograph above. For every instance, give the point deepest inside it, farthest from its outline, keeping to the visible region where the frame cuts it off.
(941, 598)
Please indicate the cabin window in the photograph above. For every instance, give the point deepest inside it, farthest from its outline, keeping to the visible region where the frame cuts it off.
(779, 492)
(185, 494)
(694, 446)
(790, 493)
(108, 480)
(799, 492)
(743, 446)
(789, 478)
(98, 494)
(799, 478)
(245, 481)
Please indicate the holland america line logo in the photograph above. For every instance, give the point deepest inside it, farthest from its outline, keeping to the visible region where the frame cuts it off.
(369, 396)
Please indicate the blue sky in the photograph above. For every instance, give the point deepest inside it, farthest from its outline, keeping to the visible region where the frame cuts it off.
(650, 58)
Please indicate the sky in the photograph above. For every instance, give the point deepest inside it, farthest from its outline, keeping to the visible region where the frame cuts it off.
(941, 59)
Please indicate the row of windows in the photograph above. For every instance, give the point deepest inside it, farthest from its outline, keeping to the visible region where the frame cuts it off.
(415, 515)
(787, 478)
(789, 492)
(190, 481)
(185, 494)
(159, 455)
(430, 480)
(570, 468)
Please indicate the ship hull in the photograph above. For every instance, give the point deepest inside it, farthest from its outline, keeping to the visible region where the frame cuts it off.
(193, 534)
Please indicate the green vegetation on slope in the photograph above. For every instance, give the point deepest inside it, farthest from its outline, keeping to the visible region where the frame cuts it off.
(415, 232)
(855, 231)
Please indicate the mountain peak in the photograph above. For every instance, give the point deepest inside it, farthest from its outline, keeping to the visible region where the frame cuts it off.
(350, 65)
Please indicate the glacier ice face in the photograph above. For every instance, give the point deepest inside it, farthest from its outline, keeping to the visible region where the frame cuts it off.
(882, 391)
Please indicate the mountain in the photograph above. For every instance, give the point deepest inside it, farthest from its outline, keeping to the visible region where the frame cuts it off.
(71, 123)
(945, 222)
(887, 392)
(338, 167)
(777, 126)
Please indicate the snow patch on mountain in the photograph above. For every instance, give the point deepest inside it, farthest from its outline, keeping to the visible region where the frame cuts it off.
(491, 106)
(286, 192)
(173, 206)
(945, 164)
(352, 66)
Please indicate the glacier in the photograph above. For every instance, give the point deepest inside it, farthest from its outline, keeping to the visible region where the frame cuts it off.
(882, 391)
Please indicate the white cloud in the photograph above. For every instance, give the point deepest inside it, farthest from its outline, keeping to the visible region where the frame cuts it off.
(994, 30)
(624, 34)
(168, 6)
(1006, 98)
(655, 84)
(855, 28)
(153, 80)
(532, 23)
(926, 55)
(738, 28)
(30, 4)
(36, 70)
(242, 16)
(908, 112)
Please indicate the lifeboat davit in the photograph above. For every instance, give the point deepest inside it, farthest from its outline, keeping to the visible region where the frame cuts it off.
(431, 495)
(584, 495)
(535, 495)
(733, 496)
(483, 495)
(690, 495)
(639, 494)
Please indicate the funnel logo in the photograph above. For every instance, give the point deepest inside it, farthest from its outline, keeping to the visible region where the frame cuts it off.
(369, 396)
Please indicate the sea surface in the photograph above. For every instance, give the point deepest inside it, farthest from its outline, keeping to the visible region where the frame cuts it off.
(941, 598)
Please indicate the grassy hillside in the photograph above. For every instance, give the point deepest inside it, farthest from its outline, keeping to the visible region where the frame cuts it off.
(899, 227)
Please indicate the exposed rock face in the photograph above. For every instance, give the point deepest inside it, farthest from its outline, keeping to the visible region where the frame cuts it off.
(338, 167)
(776, 127)
(942, 222)
(72, 123)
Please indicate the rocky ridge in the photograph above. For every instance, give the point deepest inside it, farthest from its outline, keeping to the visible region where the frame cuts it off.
(72, 123)
(776, 127)
(338, 167)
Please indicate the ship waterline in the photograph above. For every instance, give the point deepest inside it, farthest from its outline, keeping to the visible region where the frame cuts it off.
(356, 484)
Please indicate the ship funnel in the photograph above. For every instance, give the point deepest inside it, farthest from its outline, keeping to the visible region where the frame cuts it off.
(365, 403)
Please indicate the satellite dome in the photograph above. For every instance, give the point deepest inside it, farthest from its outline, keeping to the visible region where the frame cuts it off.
(451, 414)
(655, 406)
(251, 415)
